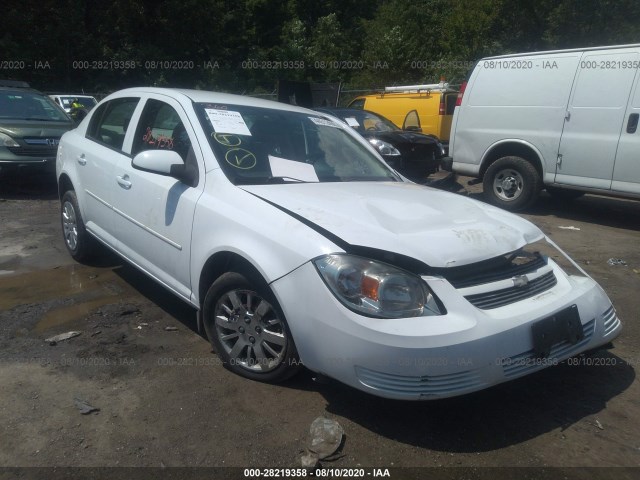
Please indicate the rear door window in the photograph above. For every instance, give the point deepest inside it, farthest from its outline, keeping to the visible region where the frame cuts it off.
(450, 102)
(110, 122)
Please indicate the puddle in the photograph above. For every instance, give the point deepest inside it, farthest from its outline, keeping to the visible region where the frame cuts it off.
(40, 286)
(10, 263)
(88, 287)
(71, 313)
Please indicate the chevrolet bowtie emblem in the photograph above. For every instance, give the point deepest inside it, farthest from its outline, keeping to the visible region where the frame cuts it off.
(520, 281)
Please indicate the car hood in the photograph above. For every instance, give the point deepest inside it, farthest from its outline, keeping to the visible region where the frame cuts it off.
(398, 137)
(26, 128)
(438, 228)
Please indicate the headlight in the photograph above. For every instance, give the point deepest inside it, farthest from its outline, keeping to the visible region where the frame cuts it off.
(7, 141)
(383, 147)
(376, 289)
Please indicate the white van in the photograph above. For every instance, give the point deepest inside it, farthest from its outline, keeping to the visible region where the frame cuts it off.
(563, 120)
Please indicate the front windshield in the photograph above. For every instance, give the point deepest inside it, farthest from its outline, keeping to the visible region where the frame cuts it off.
(364, 121)
(16, 105)
(262, 145)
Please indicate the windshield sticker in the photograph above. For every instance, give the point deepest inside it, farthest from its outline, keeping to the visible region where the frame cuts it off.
(281, 167)
(240, 158)
(352, 122)
(227, 139)
(324, 122)
(226, 121)
(216, 107)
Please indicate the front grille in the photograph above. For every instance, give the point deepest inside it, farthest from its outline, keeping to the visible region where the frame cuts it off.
(34, 151)
(417, 153)
(44, 141)
(494, 269)
(500, 298)
(420, 385)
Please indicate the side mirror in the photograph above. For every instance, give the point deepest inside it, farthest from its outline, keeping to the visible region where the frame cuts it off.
(157, 161)
(163, 162)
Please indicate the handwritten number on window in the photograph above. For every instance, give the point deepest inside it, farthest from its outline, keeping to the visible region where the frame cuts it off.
(161, 141)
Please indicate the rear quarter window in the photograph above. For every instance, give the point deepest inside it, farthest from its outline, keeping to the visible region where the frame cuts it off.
(450, 102)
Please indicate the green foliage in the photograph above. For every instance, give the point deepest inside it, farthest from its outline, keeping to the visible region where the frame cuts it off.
(247, 46)
(590, 23)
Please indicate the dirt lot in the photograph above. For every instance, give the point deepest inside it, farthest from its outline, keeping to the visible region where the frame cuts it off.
(165, 401)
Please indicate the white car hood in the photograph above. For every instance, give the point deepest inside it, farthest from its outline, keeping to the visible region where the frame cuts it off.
(438, 228)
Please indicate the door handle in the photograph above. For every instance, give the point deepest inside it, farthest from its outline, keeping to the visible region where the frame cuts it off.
(81, 160)
(123, 181)
(567, 116)
(632, 124)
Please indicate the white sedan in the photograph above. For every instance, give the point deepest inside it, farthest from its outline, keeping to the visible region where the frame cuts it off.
(299, 246)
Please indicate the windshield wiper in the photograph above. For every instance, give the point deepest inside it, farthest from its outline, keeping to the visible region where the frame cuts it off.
(40, 119)
(371, 179)
(285, 179)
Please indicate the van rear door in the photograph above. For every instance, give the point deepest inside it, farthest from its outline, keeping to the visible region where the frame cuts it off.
(595, 117)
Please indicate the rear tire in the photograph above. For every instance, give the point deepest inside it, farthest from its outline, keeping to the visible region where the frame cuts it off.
(247, 328)
(511, 183)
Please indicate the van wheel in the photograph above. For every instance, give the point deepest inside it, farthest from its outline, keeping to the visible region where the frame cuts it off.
(511, 183)
(247, 328)
(564, 193)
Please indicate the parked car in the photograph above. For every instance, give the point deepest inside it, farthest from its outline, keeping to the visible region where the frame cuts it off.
(299, 246)
(563, 120)
(413, 154)
(31, 125)
(421, 108)
(77, 106)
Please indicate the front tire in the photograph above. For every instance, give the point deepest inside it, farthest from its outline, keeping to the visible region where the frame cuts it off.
(247, 328)
(511, 183)
(79, 243)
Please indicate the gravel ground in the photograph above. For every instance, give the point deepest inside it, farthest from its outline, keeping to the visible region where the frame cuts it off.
(164, 400)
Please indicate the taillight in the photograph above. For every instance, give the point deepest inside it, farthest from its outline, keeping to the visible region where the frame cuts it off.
(441, 108)
(461, 93)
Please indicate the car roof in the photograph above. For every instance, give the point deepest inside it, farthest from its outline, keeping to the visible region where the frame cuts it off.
(20, 90)
(341, 110)
(203, 96)
(78, 95)
(568, 50)
(14, 83)
(347, 111)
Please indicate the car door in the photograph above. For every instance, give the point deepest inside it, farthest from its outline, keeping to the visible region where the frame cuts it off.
(96, 156)
(154, 213)
(595, 117)
(626, 171)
